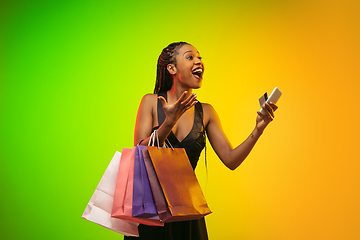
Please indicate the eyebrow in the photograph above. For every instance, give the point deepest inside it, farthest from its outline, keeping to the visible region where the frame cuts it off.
(190, 51)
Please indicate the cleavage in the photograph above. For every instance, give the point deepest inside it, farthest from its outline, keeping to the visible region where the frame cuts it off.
(184, 125)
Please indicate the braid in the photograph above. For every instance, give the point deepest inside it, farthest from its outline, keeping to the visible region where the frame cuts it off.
(164, 79)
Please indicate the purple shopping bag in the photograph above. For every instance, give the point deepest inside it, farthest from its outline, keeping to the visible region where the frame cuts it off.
(143, 201)
(160, 201)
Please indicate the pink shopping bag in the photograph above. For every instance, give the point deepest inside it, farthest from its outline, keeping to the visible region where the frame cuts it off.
(123, 198)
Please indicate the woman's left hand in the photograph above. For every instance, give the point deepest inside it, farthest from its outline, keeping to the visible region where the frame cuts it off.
(261, 120)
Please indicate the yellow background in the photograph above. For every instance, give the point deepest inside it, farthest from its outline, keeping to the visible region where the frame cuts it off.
(302, 179)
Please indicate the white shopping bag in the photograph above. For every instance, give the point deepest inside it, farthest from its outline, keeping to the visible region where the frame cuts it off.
(100, 205)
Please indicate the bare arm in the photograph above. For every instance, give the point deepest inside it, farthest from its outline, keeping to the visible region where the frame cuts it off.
(233, 157)
(144, 119)
(146, 112)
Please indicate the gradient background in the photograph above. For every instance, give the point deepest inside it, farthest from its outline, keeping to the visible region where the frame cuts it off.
(73, 74)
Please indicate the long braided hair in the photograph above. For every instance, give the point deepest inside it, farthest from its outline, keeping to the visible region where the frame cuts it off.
(164, 79)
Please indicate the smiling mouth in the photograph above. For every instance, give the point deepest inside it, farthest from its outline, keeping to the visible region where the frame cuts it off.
(198, 72)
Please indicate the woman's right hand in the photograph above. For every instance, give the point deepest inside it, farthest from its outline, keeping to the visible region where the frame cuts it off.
(175, 111)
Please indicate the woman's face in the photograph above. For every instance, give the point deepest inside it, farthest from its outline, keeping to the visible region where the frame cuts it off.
(189, 67)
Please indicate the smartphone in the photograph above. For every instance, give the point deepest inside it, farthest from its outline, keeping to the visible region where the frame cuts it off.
(274, 97)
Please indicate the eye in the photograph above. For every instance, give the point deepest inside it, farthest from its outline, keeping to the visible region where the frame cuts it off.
(190, 57)
(199, 57)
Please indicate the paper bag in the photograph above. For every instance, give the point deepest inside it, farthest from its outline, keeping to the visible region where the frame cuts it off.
(184, 197)
(99, 207)
(143, 201)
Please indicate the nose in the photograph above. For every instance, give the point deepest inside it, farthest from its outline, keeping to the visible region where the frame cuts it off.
(198, 61)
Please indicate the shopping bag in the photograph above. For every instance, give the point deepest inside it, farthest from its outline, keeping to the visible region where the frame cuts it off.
(143, 201)
(184, 197)
(123, 197)
(99, 207)
(159, 198)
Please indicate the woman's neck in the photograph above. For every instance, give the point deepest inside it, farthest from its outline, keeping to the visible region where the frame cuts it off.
(176, 91)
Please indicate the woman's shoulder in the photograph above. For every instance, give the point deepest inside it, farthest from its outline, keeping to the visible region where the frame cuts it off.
(207, 107)
(149, 98)
(148, 101)
(209, 112)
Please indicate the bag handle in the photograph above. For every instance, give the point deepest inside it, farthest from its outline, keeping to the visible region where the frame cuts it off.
(155, 135)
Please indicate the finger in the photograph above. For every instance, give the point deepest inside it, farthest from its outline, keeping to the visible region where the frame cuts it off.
(269, 110)
(266, 118)
(182, 97)
(163, 101)
(260, 115)
(189, 99)
(270, 107)
(268, 114)
(192, 104)
(274, 106)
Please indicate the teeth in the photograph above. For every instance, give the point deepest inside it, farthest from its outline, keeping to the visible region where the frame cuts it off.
(199, 70)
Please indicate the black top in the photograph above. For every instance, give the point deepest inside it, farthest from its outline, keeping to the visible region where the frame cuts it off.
(193, 143)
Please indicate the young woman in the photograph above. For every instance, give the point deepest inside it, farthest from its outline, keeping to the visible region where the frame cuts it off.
(174, 110)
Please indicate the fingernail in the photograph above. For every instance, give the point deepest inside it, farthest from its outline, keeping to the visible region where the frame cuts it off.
(185, 92)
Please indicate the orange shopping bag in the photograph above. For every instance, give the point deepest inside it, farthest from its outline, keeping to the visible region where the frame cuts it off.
(184, 197)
